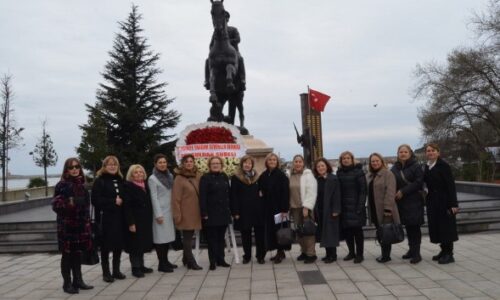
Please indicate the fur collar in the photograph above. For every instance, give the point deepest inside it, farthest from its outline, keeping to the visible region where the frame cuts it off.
(248, 181)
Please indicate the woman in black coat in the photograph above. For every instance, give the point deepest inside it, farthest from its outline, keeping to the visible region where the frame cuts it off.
(71, 204)
(215, 211)
(247, 207)
(409, 180)
(353, 198)
(274, 186)
(442, 204)
(327, 209)
(139, 217)
(107, 200)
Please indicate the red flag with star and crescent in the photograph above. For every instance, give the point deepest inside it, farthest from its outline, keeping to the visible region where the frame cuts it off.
(318, 100)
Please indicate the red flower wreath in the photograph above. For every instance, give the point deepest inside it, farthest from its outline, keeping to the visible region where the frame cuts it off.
(209, 135)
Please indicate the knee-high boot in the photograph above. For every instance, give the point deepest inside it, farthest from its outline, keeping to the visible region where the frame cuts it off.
(66, 274)
(117, 257)
(106, 274)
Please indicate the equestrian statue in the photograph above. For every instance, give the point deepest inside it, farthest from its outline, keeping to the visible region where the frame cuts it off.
(225, 69)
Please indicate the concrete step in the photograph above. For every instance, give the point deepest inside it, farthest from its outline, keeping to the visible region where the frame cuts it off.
(28, 247)
(24, 226)
(28, 235)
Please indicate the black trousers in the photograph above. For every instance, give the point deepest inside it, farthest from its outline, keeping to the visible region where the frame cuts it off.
(354, 236)
(105, 260)
(246, 240)
(414, 235)
(136, 260)
(187, 245)
(447, 248)
(215, 239)
(70, 262)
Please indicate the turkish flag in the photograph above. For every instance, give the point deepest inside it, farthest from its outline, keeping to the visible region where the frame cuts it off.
(317, 100)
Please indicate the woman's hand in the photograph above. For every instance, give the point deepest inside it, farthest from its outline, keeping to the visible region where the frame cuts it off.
(159, 220)
(284, 215)
(118, 201)
(236, 217)
(399, 195)
(454, 210)
(335, 215)
(131, 228)
(305, 212)
(387, 214)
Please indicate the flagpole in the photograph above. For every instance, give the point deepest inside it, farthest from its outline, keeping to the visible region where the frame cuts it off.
(311, 146)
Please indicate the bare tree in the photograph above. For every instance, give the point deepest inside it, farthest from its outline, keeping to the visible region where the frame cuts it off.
(10, 135)
(44, 153)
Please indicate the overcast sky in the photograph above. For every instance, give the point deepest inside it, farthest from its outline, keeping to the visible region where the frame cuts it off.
(360, 52)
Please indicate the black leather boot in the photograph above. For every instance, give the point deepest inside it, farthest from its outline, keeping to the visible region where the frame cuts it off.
(78, 282)
(415, 257)
(106, 274)
(66, 275)
(117, 274)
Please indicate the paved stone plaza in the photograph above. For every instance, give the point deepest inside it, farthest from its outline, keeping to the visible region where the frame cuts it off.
(475, 275)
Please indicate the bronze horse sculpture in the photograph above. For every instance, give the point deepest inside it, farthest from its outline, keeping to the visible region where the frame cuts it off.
(225, 81)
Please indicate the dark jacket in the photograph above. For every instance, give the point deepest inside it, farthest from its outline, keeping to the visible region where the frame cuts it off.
(214, 199)
(138, 210)
(330, 227)
(104, 194)
(441, 197)
(274, 186)
(246, 202)
(71, 204)
(411, 206)
(353, 189)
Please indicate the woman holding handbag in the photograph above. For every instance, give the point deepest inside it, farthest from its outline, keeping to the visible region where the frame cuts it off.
(409, 180)
(303, 191)
(160, 188)
(71, 204)
(274, 188)
(107, 200)
(381, 199)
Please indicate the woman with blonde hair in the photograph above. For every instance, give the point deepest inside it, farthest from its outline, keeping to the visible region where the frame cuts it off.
(353, 198)
(247, 207)
(107, 194)
(139, 217)
(186, 207)
(274, 186)
(215, 211)
(381, 198)
(409, 180)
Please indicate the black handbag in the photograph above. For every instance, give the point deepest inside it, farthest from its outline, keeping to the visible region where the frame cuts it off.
(284, 235)
(390, 233)
(90, 256)
(308, 228)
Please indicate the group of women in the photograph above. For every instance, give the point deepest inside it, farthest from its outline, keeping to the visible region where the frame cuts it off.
(137, 214)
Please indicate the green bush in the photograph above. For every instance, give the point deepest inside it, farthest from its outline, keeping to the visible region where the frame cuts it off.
(36, 182)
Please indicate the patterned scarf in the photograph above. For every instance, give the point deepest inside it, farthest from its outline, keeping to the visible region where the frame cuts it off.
(165, 178)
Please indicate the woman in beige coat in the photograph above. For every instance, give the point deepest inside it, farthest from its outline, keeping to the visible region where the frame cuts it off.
(381, 198)
(186, 207)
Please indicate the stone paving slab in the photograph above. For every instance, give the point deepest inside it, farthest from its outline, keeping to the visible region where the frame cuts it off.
(475, 275)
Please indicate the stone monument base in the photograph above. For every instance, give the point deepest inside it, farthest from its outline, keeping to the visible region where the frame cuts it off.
(258, 150)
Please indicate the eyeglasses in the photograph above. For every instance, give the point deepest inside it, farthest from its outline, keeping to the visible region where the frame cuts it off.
(74, 168)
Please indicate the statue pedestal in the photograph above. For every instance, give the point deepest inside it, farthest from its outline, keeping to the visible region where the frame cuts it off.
(258, 150)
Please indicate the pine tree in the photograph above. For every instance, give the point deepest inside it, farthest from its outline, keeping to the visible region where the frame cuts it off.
(44, 153)
(94, 146)
(134, 106)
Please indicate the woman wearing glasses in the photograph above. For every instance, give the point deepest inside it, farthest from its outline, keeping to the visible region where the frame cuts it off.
(107, 199)
(215, 212)
(71, 203)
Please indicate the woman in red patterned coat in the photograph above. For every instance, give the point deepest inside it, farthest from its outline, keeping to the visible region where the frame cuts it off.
(71, 204)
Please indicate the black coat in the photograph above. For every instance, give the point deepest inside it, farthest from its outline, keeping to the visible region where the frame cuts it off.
(214, 199)
(103, 196)
(330, 227)
(411, 206)
(138, 210)
(246, 202)
(274, 186)
(353, 196)
(441, 197)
